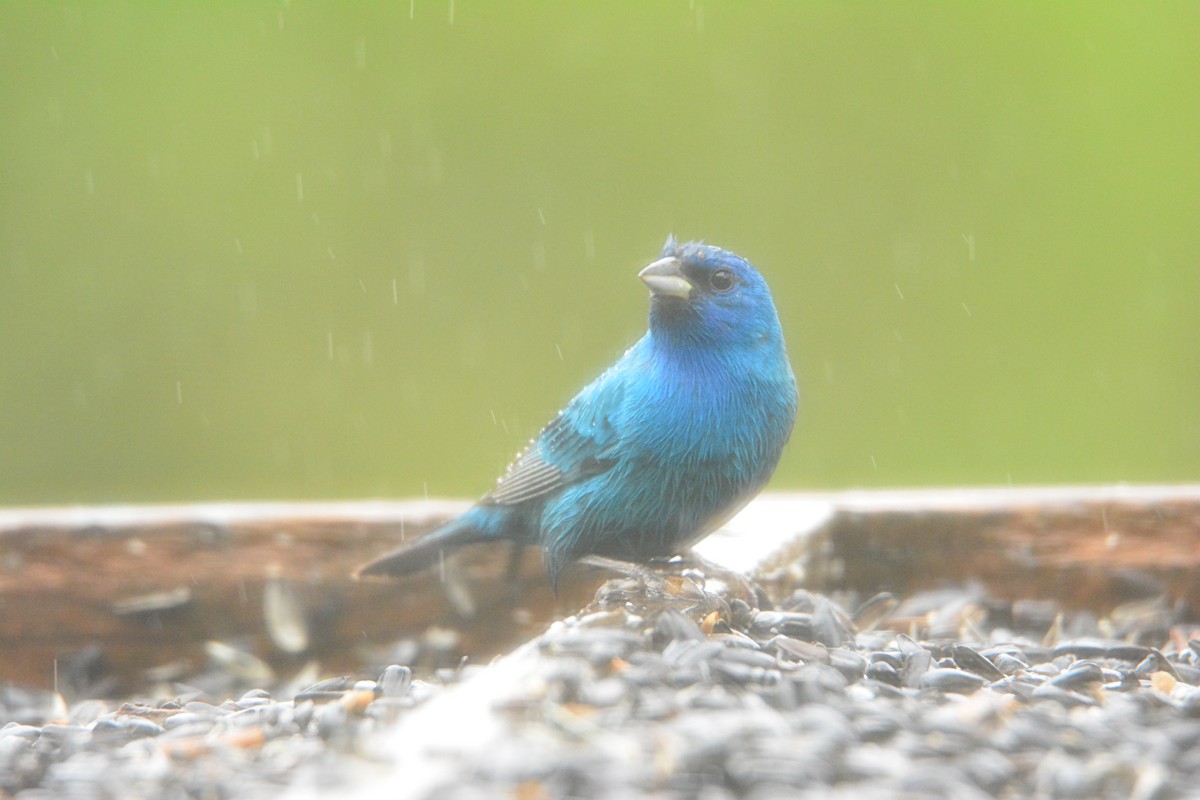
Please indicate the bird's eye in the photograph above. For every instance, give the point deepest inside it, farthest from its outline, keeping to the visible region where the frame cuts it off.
(721, 280)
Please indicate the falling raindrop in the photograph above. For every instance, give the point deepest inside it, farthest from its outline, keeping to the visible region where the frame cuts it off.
(283, 613)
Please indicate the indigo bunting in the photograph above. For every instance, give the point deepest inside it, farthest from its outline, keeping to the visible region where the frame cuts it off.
(660, 450)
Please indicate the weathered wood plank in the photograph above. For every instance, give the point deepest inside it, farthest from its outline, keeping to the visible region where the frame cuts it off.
(149, 585)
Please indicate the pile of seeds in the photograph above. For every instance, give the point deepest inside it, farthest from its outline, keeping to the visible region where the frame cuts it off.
(792, 702)
(671, 689)
(180, 747)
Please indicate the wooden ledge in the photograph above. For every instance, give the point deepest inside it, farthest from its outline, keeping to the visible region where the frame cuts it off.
(147, 585)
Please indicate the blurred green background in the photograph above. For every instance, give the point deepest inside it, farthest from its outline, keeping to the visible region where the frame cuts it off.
(253, 250)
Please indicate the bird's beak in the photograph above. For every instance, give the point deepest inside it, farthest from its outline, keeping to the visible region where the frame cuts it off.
(665, 277)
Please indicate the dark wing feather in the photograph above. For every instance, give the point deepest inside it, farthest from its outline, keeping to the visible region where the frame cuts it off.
(575, 446)
(528, 477)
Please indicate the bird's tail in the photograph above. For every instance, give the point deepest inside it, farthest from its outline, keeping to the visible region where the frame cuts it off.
(424, 552)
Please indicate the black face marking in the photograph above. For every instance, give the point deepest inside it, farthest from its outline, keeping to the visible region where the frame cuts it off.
(721, 280)
(710, 281)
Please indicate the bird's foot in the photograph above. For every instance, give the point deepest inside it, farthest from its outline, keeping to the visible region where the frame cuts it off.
(720, 579)
(652, 589)
(646, 578)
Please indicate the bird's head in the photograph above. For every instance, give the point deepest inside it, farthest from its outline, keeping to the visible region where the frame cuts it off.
(703, 293)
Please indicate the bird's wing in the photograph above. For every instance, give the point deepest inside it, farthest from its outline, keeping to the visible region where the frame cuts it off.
(576, 445)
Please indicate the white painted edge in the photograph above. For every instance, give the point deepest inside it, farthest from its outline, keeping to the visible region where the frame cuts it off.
(762, 510)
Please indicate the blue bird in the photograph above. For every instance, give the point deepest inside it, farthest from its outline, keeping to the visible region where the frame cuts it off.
(660, 450)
